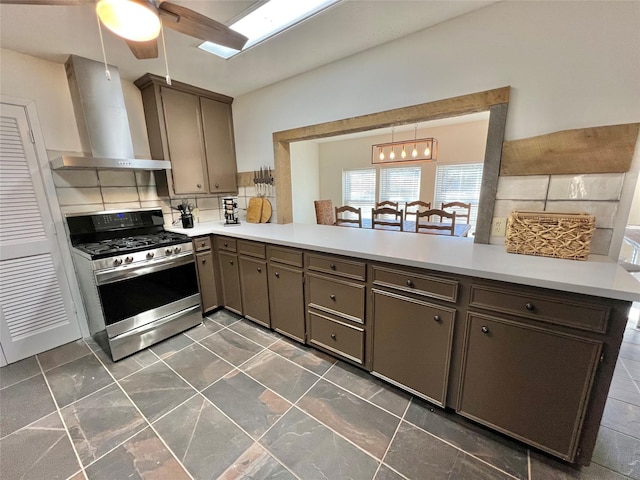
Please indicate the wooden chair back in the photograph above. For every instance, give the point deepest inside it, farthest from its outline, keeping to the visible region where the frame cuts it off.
(347, 208)
(325, 214)
(461, 209)
(417, 205)
(396, 221)
(387, 204)
(450, 227)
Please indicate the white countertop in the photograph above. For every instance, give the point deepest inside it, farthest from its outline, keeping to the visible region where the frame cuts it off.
(599, 275)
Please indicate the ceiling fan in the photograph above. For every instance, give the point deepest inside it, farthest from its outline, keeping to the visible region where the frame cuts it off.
(138, 22)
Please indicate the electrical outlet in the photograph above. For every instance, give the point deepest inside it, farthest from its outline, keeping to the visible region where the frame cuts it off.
(499, 227)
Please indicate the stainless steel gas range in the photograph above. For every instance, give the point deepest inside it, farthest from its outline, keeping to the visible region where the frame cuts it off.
(138, 281)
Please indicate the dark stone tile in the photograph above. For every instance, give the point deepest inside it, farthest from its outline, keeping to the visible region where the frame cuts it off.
(364, 424)
(78, 476)
(203, 439)
(385, 473)
(623, 388)
(306, 357)
(365, 385)
(312, 451)
(171, 345)
(64, 354)
(156, 390)
(621, 416)
(508, 456)
(206, 328)
(280, 375)
(631, 366)
(128, 365)
(632, 335)
(32, 392)
(77, 379)
(198, 366)
(232, 347)
(246, 402)
(142, 457)
(255, 332)
(618, 452)
(41, 450)
(544, 467)
(416, 454)
(100, 422)
(18, 371)
(224, 317)
(630, 351)
(256, 464)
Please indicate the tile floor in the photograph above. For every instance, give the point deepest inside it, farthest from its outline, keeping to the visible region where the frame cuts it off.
(228, 399)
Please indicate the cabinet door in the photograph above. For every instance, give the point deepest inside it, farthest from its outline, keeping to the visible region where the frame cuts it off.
(255, 292)
(412, 343)
(184, 138)
(528, 382)
(230, 277)
(219, 145)
(286, 299)
(206, 281)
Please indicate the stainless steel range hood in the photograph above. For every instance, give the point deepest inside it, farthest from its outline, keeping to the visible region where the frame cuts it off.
(102, 120)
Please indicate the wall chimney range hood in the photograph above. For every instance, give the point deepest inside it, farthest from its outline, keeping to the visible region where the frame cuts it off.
(102, 121)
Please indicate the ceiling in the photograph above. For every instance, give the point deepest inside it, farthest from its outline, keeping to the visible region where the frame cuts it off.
(351, 26)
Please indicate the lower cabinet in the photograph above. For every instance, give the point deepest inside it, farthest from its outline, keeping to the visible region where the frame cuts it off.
(230, 279)
(255, 290)
(529, 382)
(412, 342)
(207, 281)
(337, 336)
(286, 300)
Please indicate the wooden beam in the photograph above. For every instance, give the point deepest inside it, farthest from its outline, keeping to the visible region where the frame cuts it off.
(607, 149)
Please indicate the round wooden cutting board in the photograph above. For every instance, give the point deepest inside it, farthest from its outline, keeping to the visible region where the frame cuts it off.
(266, 211)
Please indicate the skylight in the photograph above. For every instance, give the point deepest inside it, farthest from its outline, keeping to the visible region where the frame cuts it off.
(268, 20)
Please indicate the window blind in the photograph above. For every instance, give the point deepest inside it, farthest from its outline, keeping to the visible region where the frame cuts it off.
(400, 184)
(359, 189)
(459, 183)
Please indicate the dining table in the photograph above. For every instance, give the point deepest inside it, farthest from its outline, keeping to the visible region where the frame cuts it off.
(460, 230)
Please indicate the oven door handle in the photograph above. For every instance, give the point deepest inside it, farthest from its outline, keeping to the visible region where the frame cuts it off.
(125, 272)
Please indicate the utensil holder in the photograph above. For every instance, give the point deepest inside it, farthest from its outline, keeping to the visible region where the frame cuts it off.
(187, 220)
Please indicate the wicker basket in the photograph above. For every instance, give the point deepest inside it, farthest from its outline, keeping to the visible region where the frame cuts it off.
(560, 235)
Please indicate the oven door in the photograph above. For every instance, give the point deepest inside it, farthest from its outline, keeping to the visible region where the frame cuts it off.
(135, 295)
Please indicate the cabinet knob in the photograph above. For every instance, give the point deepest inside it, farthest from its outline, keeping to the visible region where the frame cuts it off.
(199, 185)
(259, 270)
(204, 260)
(226, 244)
(217, 185)
(485, 329)
(332, 266)
(231, 262)
(437, 318)
(332, 297)
(530, 306)
(333, 336)
(409, 283)
(202, 244)
(277, 275)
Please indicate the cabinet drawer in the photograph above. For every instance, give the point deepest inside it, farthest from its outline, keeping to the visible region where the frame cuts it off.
(288, 256)
(561, 309)
(226, 243)
(202, 243)
(337, 296)
(427, 286)
(336, 337)
(337, 266)
(252, 249)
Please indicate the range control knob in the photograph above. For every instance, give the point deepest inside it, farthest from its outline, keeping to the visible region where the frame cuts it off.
(168, 251)
(117, 261)
(128, 259)
(177, 250)
(150, 255)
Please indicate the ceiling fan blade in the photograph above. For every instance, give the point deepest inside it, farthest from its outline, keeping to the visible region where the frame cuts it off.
(144, 50)
(46, 2)
(192, 23)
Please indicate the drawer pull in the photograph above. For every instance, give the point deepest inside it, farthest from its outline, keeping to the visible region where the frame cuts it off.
(530, 306)
(204, 260)
(333, 336)
(226, 244)
(332, 266)
(202, 244)
(277, 275)
(332, 297)
(259, 270)
(409, 283)
(485, 329)
(437, 318)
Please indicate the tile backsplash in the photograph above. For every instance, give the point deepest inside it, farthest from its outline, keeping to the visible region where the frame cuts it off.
(596, 194)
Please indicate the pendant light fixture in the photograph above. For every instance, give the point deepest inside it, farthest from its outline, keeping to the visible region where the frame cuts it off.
(392, 155)
(135, 20)
(422, 149)
(414, 152)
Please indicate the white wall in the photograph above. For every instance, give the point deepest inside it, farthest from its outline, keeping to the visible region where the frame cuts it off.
(305, 180)
(570, 65)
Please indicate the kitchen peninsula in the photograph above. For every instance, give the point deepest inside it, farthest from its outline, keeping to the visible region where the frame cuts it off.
(524, 345)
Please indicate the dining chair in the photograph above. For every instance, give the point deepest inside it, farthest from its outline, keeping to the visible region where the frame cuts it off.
(418, 204)
(387, 204)
(459, 207)
(347, 208)
(325, 214)
(385, 222)
(451, 227)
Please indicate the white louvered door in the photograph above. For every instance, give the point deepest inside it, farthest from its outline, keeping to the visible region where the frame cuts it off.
(36, 308)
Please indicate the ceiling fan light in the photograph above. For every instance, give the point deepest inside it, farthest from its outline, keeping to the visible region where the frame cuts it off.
(135, 20)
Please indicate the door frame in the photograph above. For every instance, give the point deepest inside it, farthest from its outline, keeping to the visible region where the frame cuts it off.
(54, 207)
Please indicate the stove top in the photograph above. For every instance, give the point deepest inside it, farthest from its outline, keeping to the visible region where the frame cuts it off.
(131, 244)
